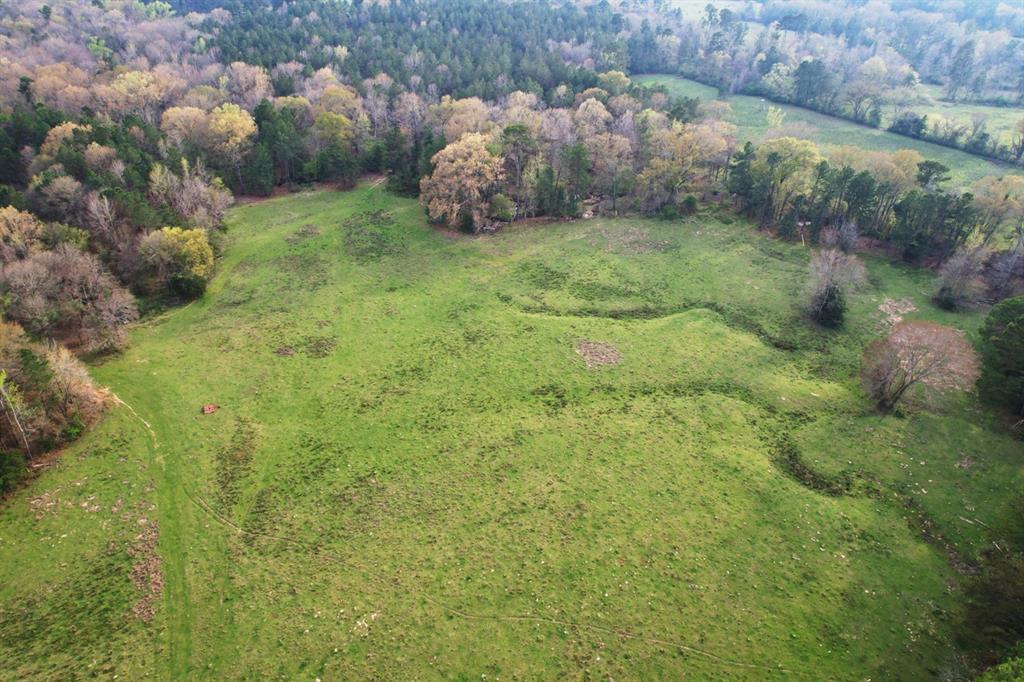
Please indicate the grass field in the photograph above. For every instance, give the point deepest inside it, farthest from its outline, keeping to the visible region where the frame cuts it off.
(749, 115)
(1001, 122)
(694, 9)
(413, 474)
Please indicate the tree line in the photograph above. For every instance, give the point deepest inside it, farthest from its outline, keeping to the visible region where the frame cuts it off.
(865, 66)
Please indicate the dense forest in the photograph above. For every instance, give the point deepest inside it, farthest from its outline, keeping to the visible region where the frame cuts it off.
(128, 128)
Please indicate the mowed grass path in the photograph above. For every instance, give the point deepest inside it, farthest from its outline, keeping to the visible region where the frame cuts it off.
(412, 474)
(749, 114)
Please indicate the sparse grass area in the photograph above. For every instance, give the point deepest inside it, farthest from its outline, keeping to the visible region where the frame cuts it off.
(750, 117)
(413, 472)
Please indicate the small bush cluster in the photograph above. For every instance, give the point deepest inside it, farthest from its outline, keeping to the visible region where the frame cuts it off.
(46, 399)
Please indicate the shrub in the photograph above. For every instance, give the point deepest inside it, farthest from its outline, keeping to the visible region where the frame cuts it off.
(828, 305)
(186, 285)
(178, 259)
(669, 212)
(832, 273)
(12, 470)
(959, 282)
(1002, 354)
(1011, 670)
(502, 208)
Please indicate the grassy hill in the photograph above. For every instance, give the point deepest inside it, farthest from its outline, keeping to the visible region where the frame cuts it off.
(595, 448)
(749, 115)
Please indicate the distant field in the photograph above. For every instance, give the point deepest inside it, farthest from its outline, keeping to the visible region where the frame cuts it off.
(749, 114)
(414, 474)
(693, 9)
(1001, 122)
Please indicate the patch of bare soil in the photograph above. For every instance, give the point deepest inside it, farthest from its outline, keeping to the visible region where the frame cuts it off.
(895, 310)
(307, 231)
(631, 241)
(147, 572)
(362, 626)
(285, 351)
(45, 460)
(597, 354)
(318, 346)
(47, 503)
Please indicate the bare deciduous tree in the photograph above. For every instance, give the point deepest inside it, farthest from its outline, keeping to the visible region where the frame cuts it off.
(72, 386)
(843, 238)
(959, 281)
(194, 194)
(915, 353)
(832, 275)
(68, 294)
(59, 199)
(104, 223)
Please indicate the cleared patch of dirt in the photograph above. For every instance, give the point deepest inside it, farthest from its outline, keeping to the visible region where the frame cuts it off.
(597, 354)
(285, 351)
(895, 310)
(44, 504)
(362, 626)
(318, 346)
(966, 463)
(307, 231)
(147, 572)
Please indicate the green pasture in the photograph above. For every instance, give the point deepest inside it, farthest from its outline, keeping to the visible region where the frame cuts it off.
(749, 114)
(413, 474)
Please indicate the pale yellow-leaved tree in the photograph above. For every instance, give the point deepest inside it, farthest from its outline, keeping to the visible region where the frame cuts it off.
(465, 177)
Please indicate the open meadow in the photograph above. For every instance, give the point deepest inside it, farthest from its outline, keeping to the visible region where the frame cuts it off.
(1001, 122)
(749, 114)
(604, 448)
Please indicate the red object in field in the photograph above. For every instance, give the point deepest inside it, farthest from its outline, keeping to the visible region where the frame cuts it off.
(210, 408)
